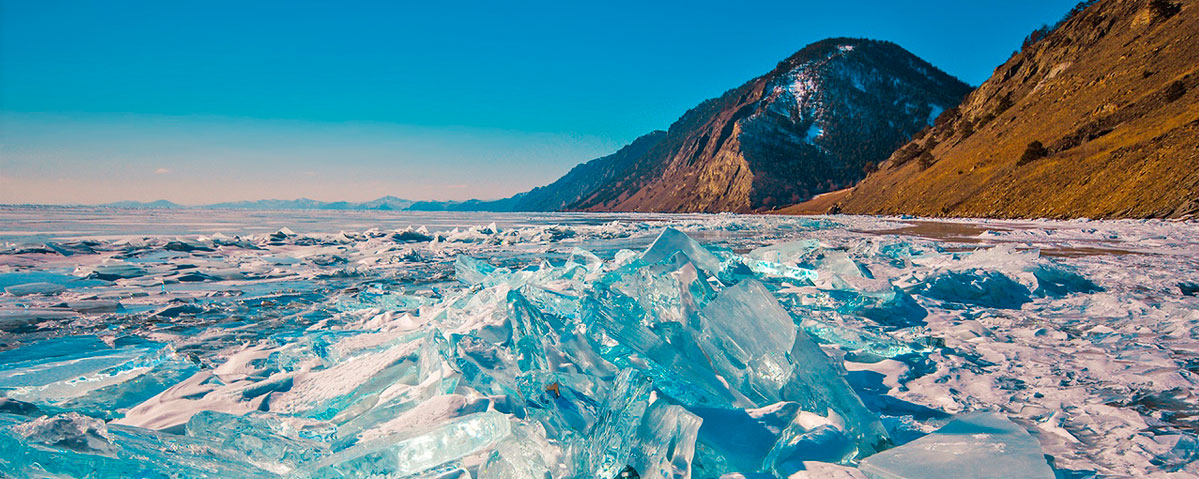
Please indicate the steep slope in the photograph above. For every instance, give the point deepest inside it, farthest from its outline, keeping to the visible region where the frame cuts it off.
(811, 125)
(1098, 119)
(572, 187)
(587, 177)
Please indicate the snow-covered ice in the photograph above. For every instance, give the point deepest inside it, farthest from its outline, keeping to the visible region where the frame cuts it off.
(293, 344)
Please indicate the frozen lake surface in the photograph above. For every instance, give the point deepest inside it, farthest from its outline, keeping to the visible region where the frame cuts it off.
(193, 343)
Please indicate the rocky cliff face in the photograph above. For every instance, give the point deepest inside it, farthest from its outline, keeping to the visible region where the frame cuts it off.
(813, 124)
(1100, 119)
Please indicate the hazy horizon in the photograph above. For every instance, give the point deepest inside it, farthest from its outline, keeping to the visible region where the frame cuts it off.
(228, 102)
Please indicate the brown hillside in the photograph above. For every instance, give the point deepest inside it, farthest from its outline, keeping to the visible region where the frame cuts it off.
(819, 204)
(1098, 119)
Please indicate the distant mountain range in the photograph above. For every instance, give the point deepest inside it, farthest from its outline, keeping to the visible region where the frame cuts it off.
(817, 122)
(1096, 118)
(384, 203)
(159, 204)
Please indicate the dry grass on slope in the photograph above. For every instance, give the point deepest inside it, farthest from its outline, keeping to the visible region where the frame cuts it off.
(1112, 95)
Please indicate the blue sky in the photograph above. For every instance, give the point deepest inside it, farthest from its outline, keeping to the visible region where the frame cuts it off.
(211, 101)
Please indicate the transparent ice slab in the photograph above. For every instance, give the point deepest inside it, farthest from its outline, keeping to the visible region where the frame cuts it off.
(86, 374)
(974, 446)
(654, 438)
(672, 241)
(414, 452)
(772, 360)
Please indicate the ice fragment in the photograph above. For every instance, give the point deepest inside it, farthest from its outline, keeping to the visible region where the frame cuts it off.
(975, 446)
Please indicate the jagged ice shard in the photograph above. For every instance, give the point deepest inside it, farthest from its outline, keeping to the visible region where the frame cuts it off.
(560, 352)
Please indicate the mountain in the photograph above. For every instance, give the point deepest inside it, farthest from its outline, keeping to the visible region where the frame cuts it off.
(297, 204)
(143, 205)
(813, 124)
(468, 205)
(1099, 119)
(562, 194)
(384, 203)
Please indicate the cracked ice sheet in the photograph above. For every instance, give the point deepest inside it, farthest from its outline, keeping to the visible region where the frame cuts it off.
(1102, 379)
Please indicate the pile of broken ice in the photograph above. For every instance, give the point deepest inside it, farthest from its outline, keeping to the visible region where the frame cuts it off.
(675, 362)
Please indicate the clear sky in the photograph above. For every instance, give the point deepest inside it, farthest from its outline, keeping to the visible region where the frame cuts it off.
(199, 102)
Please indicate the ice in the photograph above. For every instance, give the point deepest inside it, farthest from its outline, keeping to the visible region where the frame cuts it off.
(822, 470)
(521, 456)
(784, 252)
(673, 241)
(781, 362)
(187, 246)
(1058, 281)
(801, 443)
(666, 442)
(577, 345)
(72, 445)
(1173, 451)
(654, 438)
(69, 431)
(840, 264)
(974, 446)
(17, 319)
(769, 268)
(34, 288)
(748, 335)
(733, 440)
(88, 375)
(410, 235)
(609, 444)
(1003, 277)
(269, 442)
(415, 452)
(115, 271)
(982, 288)
(472, 271)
